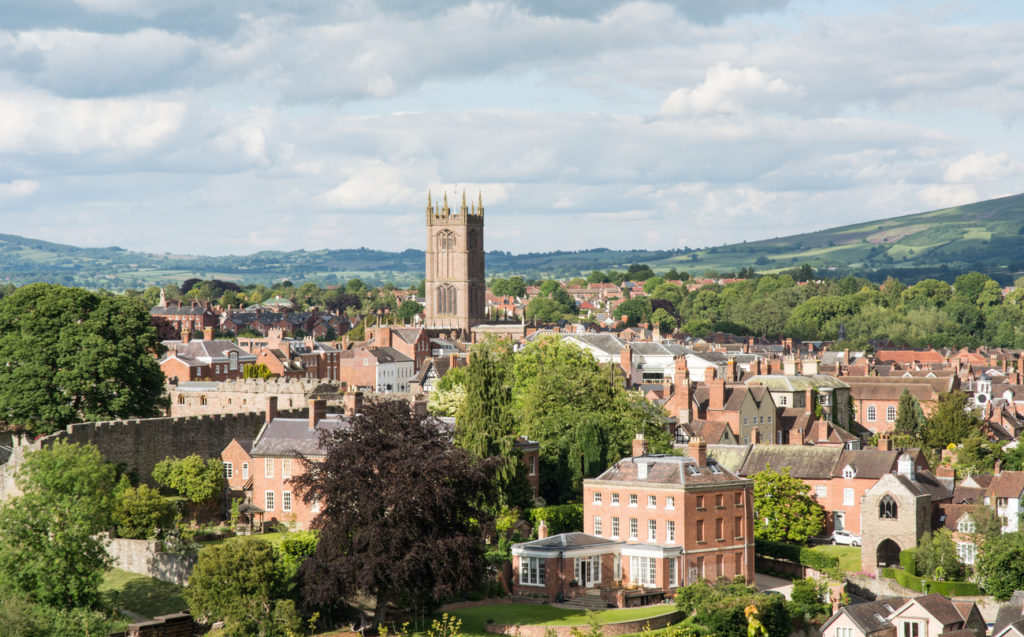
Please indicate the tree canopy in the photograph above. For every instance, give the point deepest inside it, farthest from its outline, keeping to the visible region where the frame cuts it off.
(50, 549)
(403, 512)
(783, 509)
(952, 421)
(70, 355)
(194, 479)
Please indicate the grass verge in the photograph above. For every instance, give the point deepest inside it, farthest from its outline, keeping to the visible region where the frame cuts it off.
(140, 594)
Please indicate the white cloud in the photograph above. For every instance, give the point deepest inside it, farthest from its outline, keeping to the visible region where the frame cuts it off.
(982, 167)
(18, 188)
(729, 90)
(948, 195)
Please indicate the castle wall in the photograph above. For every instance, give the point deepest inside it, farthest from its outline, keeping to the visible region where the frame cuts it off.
(248, 394)
(139, 444)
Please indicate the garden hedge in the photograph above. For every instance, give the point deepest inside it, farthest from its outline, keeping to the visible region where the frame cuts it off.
(919, 584)
(817, 560)
(908, 560)
(562, 518)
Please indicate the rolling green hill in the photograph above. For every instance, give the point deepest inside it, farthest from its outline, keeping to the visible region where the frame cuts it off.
(985, 236)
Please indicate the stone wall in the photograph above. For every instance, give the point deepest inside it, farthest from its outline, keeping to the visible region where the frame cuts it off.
(872, 588)
(176, 625)
(145, 558)
(232, 396)
(137, 445)
(619, 628)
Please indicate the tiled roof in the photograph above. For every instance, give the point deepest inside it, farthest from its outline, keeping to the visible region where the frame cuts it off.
(870, 617)
(1008, 484)
(730, 457)
(870, 463)
(805, 462)
(389, 355)
(292, 436)
(567, 541)
(666, 470)
(790, 382)
(941, 608)
(1010, 612)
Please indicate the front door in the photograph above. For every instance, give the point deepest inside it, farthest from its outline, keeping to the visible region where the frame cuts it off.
(840, 520)
(588, 571)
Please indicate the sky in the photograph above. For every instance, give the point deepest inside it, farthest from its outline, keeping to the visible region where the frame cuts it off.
(233, 126)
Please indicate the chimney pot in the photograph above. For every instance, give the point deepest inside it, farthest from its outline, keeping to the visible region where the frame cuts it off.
(317, 410)
(639, 446)
(271, 408)
(699, 451)
(353, 402)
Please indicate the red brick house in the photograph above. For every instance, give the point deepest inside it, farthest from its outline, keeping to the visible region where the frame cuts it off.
(207, 359)
(171, 318)
(650, 524)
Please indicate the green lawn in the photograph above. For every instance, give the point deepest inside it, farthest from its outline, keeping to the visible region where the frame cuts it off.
(141, 594)
(474, 619)
(849, 556)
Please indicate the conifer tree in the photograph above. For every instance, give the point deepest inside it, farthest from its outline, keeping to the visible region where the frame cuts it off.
(907, 422)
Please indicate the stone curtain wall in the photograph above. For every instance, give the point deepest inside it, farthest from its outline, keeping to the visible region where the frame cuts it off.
(234, 396)
(145, 558)
(139, 444)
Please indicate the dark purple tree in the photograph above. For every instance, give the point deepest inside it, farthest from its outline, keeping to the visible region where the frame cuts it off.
(402, 512)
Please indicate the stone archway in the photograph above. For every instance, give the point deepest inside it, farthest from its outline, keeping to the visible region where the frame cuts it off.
(888, 553)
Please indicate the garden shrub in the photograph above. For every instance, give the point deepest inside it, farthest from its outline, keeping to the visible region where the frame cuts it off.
(562, 518)
(821, 562)
(908, 560)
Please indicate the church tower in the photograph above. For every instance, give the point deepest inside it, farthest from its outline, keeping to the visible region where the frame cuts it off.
(455, 265)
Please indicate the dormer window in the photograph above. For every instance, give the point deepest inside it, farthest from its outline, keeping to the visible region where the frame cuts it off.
(641, 471)
(849, 472)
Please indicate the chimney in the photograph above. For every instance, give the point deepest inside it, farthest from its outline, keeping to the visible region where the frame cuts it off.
(699, 451)
(271, 408)
(789, 366)
(999, 468)
(639, 446)
(796, 437)
(884, 442)
(810, 367)
(626, 363)
(453, 361)
(809, 401)
(755, 436)
(186, 335)
(716, 395)
(542, 530)
(709, 374)
(656, 335)
(353, 402)
(835, 595)
(730, 370)
(788, 345)
(846, 357)
(822, 430)
(317, 410)
(207, 333)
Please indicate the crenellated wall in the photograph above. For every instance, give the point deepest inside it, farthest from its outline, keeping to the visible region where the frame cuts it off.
(140, 443)
(196, 399)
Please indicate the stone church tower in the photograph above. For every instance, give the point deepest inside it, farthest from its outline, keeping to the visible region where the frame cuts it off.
(455, 266)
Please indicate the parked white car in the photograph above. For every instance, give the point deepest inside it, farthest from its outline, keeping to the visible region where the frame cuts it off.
(845, 537)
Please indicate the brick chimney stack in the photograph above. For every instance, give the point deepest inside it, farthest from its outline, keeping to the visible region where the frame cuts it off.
(730, 370)
(699, 451)
(716, 394)
(822, 430)
(884, 442)
(317, 410)
(207, 333)
(353, 402)
(809, 401)
(639, 446)
(542, 530)
(271, 412)
(626, 363)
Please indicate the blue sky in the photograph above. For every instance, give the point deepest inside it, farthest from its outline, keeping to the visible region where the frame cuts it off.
(201, 127)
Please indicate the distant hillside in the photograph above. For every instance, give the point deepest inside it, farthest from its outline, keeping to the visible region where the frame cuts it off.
(985, 236)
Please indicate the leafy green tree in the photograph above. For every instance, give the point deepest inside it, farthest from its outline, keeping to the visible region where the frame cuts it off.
(543, 309)
(244, 584)
(951, 422)
(486, 427)
(999, 566)
(50, 549)
(909, 416)
(512, 286)
(140, 512)
(256, 370)
(808, 599)
(355, 286)
(978, 455)
(970, 286)
(68, 355)
(408, 311)
(936, 556)
(665, 322)
(783, 509)
(403, 512)
(636, 310)
(194, 479)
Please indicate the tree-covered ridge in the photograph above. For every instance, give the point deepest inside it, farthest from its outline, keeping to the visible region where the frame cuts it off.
(940, 244)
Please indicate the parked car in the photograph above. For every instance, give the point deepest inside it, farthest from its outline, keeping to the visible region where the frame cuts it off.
(845, 537)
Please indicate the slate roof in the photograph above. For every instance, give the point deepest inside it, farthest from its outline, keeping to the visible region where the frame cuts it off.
(925, 483)
(199, 349)
(805, 462)
(160, 310)
(568, 541)
(607, 343)
(869, 463)
(666, 469)
(730, 457)
(389, 355)
(790, 382)
(941, 608)
(870, 617)
(1011, 612)
(289, 437)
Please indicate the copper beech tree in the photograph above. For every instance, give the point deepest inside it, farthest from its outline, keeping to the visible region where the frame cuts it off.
(402, 513)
